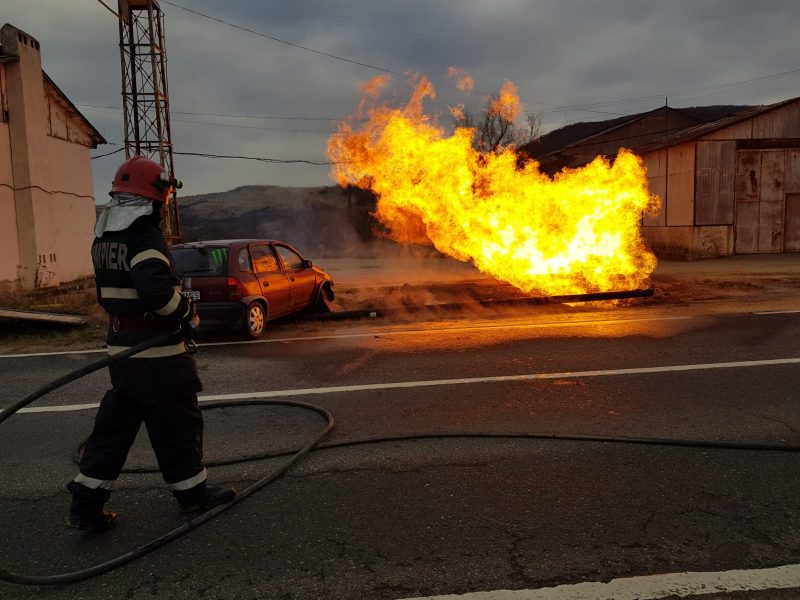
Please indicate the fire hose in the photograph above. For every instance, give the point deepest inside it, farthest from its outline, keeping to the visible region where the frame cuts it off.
(75, 576)
(294, 454)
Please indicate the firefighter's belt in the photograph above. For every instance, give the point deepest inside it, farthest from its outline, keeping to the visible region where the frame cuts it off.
(138, 322)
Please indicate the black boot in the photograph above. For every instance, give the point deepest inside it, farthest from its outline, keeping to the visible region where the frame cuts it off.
(99, 523)
(203, 497)
(86, 510)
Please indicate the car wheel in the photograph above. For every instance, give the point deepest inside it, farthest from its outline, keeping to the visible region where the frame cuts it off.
(255, 320)
(323, 303)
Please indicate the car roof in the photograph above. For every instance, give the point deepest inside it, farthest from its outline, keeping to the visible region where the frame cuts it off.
(204, 243)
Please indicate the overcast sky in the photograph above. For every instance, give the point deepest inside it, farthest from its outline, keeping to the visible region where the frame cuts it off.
(561, 54)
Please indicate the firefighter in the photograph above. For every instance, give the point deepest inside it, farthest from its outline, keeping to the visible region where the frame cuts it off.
(138, 288)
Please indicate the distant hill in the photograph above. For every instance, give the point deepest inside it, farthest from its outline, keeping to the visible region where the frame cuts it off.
(320, 221)
(564, 136)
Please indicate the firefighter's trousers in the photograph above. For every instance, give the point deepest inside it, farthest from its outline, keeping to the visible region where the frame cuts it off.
(175, 428)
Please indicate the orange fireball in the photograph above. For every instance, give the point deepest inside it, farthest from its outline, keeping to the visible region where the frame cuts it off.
(576, 232)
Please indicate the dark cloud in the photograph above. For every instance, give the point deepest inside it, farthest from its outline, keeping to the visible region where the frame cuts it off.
(560, 53)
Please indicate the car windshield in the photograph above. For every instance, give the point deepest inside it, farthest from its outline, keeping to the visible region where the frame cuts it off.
(208, 262)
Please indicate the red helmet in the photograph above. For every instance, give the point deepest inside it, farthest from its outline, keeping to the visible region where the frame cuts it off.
(143, 177)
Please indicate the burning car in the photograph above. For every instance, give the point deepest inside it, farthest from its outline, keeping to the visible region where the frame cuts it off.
(242, 284)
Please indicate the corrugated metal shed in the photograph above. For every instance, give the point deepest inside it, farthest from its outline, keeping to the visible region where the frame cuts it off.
(700, 131)
(730, 185)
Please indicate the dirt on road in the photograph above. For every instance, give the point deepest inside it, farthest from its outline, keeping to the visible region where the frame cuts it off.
(733, 284)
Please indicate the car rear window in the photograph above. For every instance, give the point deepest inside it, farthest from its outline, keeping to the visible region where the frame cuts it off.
(207, 262)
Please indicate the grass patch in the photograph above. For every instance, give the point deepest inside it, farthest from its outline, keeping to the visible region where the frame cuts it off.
(74, 298)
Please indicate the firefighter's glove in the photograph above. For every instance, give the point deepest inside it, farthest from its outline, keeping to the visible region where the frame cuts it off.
(189, 320)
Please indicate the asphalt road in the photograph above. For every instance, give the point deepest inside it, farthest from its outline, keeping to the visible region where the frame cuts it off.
(442, 515)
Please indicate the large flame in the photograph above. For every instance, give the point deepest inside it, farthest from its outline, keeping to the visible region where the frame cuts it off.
(573, 233)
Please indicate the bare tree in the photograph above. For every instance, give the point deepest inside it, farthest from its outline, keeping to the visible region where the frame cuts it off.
(496, 127)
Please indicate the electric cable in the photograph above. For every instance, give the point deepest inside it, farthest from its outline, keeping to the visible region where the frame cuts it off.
(108, 153)
(587, 107)
(98, 569)
(111, 10)
(258, 158)
(229, 115)
(275, 39)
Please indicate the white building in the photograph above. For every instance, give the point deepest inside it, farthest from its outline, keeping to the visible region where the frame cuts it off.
(47, 209)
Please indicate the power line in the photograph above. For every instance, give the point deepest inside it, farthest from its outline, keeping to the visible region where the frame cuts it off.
(720, 87)
(300, 46)
(327, 132)
(108, 153)
(257, 158)
(273, 38)
(109, 9)
(742, 83)
(282, 161)
(235, 116)
(218, 124)
(590, 107)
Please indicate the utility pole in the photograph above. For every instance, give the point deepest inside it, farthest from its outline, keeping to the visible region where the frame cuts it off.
(145, 95)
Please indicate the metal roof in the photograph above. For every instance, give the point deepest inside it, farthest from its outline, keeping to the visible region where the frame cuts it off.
(697, 131)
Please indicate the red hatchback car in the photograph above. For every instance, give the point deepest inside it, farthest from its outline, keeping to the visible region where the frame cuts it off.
(245, 283)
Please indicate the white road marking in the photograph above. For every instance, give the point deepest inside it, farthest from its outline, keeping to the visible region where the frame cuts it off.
(777, 312)
(338, 389)
(650, 587)
(96, 351)
(462, 329)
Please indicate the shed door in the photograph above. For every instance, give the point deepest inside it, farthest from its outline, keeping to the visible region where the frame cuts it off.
(760, 201)
(791, 238)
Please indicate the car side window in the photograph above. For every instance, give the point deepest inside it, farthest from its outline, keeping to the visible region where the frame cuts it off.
(244, 260)
(291, 259)
(264, 259)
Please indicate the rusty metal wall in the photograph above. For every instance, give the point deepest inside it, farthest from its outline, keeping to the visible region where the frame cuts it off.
(770, 210)
(656, 165)
(791, 237)
(680, 184)
(740, 131)
(783, 122)
(748, 184)
(767, 201)
(715, 182)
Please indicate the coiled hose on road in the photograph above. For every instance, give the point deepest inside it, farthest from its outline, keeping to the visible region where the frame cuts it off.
(295, 454)
(174, 534)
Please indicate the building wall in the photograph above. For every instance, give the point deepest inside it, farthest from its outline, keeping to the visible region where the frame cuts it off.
(689, 242)
(783, 122)
(734, 190)
(715, 182)
(656, 165)
(50, 171)
(9, 244)
(767, 197)
(680, 185)
(740, 131)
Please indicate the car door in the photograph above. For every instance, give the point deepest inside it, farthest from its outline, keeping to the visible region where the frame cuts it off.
(302, 279)
(272, 278)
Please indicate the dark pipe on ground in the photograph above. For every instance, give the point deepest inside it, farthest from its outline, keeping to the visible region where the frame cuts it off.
(454, 306)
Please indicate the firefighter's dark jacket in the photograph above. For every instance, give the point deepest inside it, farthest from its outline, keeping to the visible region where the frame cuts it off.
(137, 286)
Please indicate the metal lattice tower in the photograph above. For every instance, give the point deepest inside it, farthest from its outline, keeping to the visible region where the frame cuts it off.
(145, 96)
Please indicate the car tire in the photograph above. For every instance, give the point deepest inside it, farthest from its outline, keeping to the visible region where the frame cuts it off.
(255, 320)
(322, 304)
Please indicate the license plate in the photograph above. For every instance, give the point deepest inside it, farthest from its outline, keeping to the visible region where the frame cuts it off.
(191, 294)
